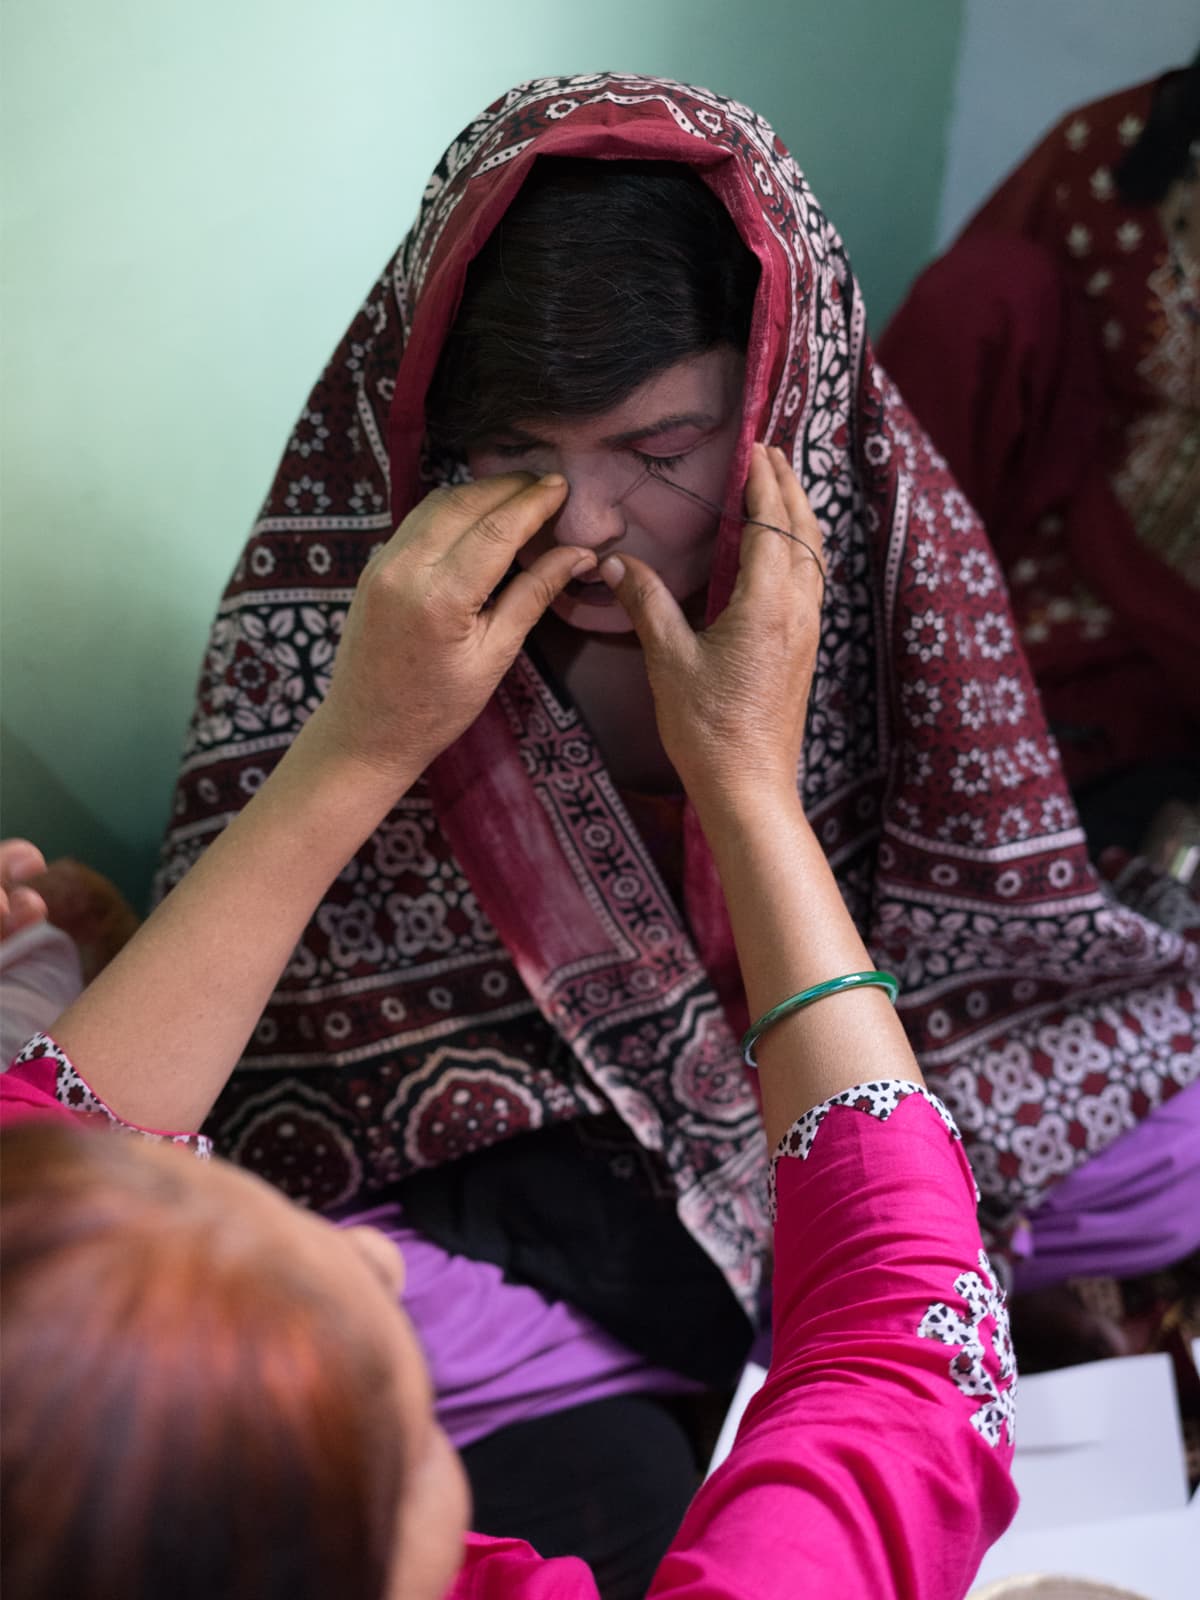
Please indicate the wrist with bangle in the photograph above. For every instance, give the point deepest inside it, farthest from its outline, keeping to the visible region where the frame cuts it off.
(806, 997)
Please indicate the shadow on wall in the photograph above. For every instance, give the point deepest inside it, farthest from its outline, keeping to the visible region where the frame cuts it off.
(35, 802)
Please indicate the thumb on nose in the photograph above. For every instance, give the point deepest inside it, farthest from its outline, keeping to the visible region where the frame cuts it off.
(649, 604)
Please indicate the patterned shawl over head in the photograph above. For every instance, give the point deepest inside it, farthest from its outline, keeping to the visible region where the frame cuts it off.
(503, 954)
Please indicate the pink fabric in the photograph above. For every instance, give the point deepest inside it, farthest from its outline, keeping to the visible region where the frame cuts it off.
(42, 1082)
(876, 1459)
(27, 1091)
(510, 1569)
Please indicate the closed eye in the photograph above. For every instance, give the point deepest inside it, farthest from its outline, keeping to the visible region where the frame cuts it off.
(663, 463)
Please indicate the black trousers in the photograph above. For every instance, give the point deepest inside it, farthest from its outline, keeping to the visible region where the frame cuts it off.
(608, 1481)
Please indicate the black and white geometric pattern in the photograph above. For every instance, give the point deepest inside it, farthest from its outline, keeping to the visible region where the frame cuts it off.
(968, 1366)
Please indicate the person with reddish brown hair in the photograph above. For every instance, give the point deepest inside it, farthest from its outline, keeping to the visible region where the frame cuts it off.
(198, 1374)
(507, 1026)
(205, 1390)
(209, 1391)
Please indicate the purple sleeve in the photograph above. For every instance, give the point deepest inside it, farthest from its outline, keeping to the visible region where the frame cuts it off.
(876, 1459)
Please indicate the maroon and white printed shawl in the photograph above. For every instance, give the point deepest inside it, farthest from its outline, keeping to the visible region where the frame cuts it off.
(502, 954)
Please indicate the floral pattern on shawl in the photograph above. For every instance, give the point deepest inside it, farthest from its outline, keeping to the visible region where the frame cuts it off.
(465, 982)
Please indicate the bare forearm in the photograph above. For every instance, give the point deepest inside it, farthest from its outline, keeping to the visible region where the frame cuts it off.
(792, 931)
(162, 1027)
(423, 646)
(731, 704)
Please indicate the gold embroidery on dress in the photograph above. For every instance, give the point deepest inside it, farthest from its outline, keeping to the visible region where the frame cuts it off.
(1159, 480)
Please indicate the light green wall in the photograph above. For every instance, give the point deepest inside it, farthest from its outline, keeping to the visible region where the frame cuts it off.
(195, 199)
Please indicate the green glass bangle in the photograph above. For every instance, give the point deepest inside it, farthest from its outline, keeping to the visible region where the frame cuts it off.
(797, 1002)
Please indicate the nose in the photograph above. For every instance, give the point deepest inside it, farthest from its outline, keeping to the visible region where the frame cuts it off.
(592, 514)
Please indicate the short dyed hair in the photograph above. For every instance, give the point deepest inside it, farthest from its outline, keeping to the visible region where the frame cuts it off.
(181, 1420)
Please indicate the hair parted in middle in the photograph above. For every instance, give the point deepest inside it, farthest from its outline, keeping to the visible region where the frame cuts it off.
(599, 275)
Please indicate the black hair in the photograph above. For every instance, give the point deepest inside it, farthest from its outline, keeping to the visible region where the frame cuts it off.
(600, 274)
(1163, 151)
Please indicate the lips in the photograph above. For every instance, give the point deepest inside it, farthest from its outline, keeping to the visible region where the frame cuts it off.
(590, 594)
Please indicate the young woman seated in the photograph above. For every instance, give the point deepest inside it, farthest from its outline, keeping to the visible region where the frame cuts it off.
(509, 1033)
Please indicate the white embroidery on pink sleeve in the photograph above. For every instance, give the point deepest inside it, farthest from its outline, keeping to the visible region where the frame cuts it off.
(979, 1291)
(968, 1367)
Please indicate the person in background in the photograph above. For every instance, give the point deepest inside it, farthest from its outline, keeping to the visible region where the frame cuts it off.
(1053, 354)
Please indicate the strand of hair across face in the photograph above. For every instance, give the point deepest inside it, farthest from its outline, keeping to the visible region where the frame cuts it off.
(659, 476)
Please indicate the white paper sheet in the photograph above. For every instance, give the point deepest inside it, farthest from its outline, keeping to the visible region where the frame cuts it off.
(1101, 1470)
(1102, 1475)
(751, 1381)
(1099, 1441)
(1156, 1556)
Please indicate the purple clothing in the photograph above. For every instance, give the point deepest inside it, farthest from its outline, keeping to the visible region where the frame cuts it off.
(1132, 1209)
(539, 1356)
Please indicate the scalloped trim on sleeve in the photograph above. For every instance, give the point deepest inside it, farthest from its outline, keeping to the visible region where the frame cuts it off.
(876, 1099)
(76, 1094)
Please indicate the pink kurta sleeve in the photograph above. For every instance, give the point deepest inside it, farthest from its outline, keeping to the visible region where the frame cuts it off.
(44, 1082)
(876, 1458)
(510, 1569)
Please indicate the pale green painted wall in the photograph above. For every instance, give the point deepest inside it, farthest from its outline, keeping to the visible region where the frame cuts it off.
(195, 199)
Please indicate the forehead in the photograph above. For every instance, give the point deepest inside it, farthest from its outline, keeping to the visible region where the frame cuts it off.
(696, 392)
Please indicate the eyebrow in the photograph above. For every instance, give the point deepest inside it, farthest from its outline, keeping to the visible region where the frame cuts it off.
(683, 419)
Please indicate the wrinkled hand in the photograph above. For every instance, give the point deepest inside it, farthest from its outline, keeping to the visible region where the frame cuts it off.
(731, 701)
(20, 905)
(423, 648)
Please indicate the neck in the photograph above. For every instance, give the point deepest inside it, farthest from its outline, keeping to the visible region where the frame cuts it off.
(605, 676)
